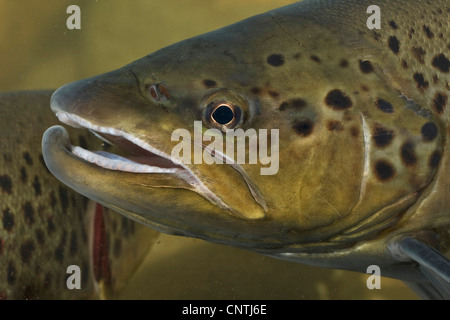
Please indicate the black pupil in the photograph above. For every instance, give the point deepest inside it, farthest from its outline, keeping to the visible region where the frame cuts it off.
(223, 114)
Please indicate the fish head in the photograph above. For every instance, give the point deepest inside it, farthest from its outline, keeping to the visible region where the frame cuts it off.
(327, 153)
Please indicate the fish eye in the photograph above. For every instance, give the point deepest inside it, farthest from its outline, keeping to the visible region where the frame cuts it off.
(223, 115)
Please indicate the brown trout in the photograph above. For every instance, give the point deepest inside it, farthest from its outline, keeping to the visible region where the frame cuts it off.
(45, 227)
(349, 123)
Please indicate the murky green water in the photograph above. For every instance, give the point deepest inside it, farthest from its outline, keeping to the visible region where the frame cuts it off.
(38, 51)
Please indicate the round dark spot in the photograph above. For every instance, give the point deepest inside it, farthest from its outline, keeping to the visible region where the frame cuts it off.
(336, 99)
(334, 125)
(255, 90)
(429, 131)
(407, 154)
(394, 44)
(440, 102)
(364, 88)
(393, 25)
(343, 63)
(26, 156)
(382, 136)
(428, 32)
(365, 66)
(28, 212)
(441, 63)
(275, 60)
(404, 64)
(36, 186)
(435, 158)
(419, 54)
(384, 170)
(209, 83)
(422, 84)
(26, 251)
(11, 273)
(303, 128)
(315, 58)
(354, 132)
(6, 183)
(273, 94)
(8, 220)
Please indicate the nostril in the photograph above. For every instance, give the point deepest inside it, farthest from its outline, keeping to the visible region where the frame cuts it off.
(154, 92)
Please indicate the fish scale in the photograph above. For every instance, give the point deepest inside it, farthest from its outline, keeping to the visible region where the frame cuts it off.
(362, 116)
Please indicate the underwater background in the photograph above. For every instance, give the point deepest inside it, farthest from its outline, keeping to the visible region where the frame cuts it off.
(38, 51)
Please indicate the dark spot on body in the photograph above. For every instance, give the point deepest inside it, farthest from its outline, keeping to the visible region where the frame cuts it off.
(429, 131)
(441, 63)
(354, 132)
(209, 83)
(334, 125)
(273, 94)
(275, 60)
(255, 90)
(435, 158)
(428, 32)
(343, 63)
(394, 44)
(404, 64)
(23, 174)
(28, 212)
(419, 54)
(365, 66)
(6, 183)
(73, 247)
(407, 154)
(40, 237)
(26, 251)
(292, 104)
(365, 88)
(422, 84)
(26, 156)
(393, 25)
(315, 59)
(11, 273)
(63, 197)
(303, 128)
(382, 136)
(337, 100)
(384, 170)
(50, 226)
(440, 102)
(8, 220)
(36, 186)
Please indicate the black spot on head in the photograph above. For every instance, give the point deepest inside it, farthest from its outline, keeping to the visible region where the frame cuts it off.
(255, 90)
(303, 128)
(343, 63)
(26, 251)
(209, 83)
(441, 63)
(429, 131)
(382, 136)
(275, 60)
(334, 125)
(23, 174)
(354, 132)
(419, 54)
(26, 156)
(440, 102)
(407, 154)
(63, 197)
(422, 84)
(273, 94)
(36, 186)
(365, 88)
(394, 44)
(292, 104)
(393, 25)
(6, 183)
(435, 158)
(28, 212)
(337, 100)
(73, 247)
(428, 32)
(315, 59)
(11, 273)
(365, 66)
(8, 220)
(384, 170)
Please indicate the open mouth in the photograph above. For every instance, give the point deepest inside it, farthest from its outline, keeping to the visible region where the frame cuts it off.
(140, 156)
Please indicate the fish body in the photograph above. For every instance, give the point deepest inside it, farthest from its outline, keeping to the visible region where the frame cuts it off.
(44, 226)
(361, 126)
